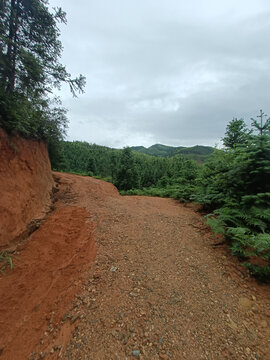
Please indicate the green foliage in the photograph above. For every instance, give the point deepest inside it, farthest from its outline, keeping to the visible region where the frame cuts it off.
(212, 188)
(236, 184)
(29, 70)
(236, 133)
(233, 185)
(5, 261)
(172, 177)
(127, 176)
(95, 160)
(261, 272)
(263, 128)
(178, 192)
(155, 150)
(197, 153)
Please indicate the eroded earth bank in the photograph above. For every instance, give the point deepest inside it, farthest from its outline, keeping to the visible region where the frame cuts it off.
(111, 277)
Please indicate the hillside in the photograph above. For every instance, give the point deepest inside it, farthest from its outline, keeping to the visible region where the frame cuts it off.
(156, 150)
(197, 152)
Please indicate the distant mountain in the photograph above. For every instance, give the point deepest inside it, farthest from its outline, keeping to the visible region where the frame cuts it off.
(198, 152)
(155, 150)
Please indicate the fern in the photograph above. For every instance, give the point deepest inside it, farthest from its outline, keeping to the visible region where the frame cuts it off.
(261, 272)
(235, 186)
(237, 250)
(218, 226)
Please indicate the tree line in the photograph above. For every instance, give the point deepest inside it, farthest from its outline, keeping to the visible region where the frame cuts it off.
(128, 170)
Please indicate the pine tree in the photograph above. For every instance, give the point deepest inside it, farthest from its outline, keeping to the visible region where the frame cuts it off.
(30, 67)
(127, 177)
(263, 128)
(236, 133)
(242, 213)
(91, 165)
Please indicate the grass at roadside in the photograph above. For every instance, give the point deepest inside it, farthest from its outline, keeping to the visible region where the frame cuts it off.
(5, 261)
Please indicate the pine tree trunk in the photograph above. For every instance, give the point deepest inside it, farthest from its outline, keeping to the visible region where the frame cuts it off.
(12, 47)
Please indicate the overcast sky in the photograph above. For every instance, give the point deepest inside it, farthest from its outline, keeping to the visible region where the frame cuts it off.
(165, 71)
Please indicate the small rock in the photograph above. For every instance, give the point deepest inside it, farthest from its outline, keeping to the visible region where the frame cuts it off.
(42, 355)
(74, 318)
(245, 304)
(113, 268)
(136, 353)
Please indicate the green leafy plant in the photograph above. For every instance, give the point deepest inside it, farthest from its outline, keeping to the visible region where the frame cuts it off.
(238, 191)
(30, 68)
(5, 261)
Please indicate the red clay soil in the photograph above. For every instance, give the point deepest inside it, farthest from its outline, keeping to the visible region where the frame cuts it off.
(25, 185)
(157, 289)
(47, 274)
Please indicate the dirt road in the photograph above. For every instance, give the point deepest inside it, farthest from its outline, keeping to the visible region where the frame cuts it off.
(156, 290)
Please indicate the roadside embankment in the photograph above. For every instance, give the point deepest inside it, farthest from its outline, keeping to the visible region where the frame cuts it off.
(25, 185)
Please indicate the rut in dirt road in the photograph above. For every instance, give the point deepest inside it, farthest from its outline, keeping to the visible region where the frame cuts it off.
(158, 290)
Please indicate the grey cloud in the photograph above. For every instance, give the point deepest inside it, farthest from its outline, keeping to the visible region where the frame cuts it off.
(169, 72)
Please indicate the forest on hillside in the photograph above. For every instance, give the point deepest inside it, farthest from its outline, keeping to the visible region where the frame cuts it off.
(198, 153)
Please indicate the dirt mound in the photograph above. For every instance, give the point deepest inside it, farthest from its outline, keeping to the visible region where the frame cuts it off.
(86, 188)
(25, 185)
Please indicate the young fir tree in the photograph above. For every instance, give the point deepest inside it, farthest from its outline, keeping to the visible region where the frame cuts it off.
(236, 133)
(253, 161)
(244, 215)
(127, 176)
(91, 165)
(263, 128)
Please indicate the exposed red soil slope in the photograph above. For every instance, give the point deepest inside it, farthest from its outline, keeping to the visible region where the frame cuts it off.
(48, 269)
(25, 185)
(157, 289)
